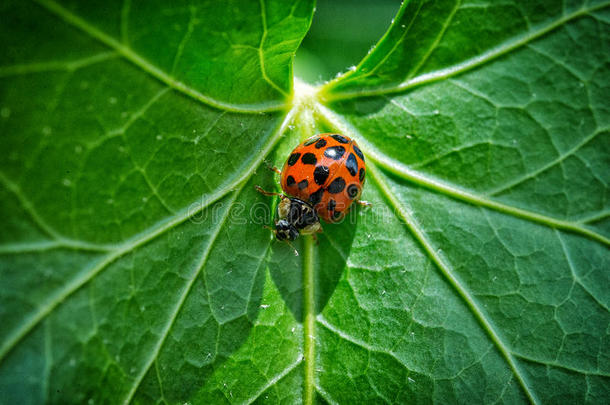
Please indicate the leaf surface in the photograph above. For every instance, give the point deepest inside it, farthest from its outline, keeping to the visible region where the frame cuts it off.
(133, 265)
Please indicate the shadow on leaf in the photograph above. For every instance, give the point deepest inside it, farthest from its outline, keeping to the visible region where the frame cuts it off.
(330, 257)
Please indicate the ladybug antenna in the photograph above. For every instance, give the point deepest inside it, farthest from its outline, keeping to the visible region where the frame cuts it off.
(272, 168)
(296, 252)
(270, 228)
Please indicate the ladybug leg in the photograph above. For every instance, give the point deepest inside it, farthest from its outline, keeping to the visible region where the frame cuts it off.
(268, 193)
(364, 203)
(270, 229)
(295, 251)
(315, 238)
(273, 168)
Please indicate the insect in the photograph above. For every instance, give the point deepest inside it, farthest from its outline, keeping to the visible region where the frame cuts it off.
(321, 178)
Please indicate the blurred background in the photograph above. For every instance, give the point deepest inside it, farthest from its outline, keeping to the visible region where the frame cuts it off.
(341, 34)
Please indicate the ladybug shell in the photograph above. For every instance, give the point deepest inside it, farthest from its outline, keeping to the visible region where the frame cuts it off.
(327, 171)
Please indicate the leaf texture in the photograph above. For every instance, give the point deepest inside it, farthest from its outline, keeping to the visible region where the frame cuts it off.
(133, 264)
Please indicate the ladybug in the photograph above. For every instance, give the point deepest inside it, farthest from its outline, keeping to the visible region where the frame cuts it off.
(321, 178)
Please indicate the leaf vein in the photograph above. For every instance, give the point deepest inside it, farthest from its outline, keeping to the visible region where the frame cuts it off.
(469, 64)
(261, 52)
(445, 268)
(436, 41)
(125, 10)
(449, 189)
(138, 240)
(182, 298)
(309, 328)
(51, 66)
(528, 176)
(346, 77)
(149, 68)
(322, 321)
(575, 276)
(560, 366)
(275, 380)
(58, 240)
(326, 395)
(185, 38)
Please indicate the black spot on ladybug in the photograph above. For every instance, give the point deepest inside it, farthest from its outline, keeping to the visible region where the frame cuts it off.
(336, 214)
(309, 159)
(331, 205)
(358, 152)
(316, 197)
(352, 191)
(311, 140)
(361, 177)
(320, 174)
(293, 159)
(352, 164)
(303, 184)
(340, 138)
(320, 144)
(336, 186)
(290, 181)
(334, 152)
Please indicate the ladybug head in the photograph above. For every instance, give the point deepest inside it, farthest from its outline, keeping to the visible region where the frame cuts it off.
(284, 230)
(295, 217)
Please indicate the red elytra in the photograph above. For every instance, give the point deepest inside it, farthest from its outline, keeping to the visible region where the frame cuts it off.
(327, 171)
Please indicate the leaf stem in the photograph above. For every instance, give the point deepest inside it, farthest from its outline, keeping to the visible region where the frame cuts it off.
(309, 320)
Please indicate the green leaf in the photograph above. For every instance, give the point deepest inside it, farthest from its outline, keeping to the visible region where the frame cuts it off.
(133, 264)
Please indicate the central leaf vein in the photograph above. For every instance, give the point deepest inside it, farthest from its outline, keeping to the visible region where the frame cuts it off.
(309, 327)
